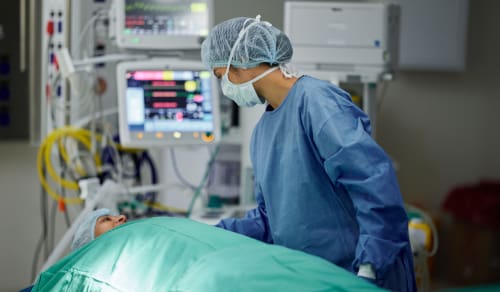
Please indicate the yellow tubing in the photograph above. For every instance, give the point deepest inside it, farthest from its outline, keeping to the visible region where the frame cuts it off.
(81, 135)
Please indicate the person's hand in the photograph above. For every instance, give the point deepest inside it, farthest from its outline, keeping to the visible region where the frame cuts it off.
(367, 273)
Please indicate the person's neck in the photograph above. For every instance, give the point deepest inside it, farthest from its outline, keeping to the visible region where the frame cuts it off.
(275, 87)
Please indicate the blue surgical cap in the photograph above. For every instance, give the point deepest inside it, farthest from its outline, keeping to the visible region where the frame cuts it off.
(261, 43)
(85, 232)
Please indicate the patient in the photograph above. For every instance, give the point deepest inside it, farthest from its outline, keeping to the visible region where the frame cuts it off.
(179, 254)
(96, 223)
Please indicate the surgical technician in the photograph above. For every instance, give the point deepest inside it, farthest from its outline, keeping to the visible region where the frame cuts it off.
(322, 184)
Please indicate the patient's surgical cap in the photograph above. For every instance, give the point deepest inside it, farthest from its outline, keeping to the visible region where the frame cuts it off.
(85, 232)
(260, 43)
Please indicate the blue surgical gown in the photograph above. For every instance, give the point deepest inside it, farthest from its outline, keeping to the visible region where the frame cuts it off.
(325, 187)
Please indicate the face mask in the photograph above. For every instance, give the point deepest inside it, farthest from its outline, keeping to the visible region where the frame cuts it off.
(243, 94)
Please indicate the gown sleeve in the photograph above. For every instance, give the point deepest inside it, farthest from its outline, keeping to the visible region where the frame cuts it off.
(254, 224)
(358, 166)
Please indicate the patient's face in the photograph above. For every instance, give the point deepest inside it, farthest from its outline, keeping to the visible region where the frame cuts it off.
(108, 222)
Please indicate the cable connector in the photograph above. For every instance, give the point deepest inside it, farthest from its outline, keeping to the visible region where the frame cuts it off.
(89, 187)
(61, 206)
(50, 27)
(67, 69)
(65, 63)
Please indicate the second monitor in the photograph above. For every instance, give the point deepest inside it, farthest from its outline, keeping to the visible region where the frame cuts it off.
(167, 102)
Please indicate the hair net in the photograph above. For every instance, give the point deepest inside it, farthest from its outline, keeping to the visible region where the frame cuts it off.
(261, 43)
(85, 232)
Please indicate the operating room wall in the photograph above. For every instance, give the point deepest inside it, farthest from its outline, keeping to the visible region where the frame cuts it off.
(19, 213)
(20, 219)
(441, 129)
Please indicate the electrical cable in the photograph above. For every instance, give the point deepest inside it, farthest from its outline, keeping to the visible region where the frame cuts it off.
(87, 25)
(35, 259)
(45, 167)
(65, 211)
(115, 155)
(79, 104)
(381, 95)
(34, 263)
(66, 218)
(93, 129)
(45, 225)
(110, 157)
(150, 198)
(133, 165)
(64, 107)
(52, 228)
(85, 120)
(177, 172)
(145, 157)
(203, 181)
(41, 240)
(42, 243)
(62, 144)
(50, 84)
(66, 215)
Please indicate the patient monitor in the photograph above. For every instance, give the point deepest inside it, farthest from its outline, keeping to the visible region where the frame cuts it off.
(162, 24)
(165, 102)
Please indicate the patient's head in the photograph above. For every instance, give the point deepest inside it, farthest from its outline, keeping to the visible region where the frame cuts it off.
(96, 223)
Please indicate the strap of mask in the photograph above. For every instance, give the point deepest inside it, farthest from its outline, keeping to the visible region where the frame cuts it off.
(269, 71)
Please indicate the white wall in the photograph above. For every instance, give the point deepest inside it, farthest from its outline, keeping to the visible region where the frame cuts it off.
(440, 127)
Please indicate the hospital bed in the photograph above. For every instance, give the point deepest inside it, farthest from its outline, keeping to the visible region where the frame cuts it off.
(178, 254)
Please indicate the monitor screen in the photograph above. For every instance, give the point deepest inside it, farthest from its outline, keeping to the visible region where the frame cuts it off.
(167, 102)
(162, 24)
